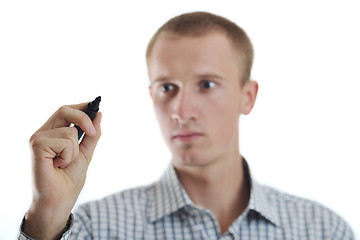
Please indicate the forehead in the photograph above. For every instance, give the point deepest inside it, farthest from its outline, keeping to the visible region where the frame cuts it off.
(188, 54)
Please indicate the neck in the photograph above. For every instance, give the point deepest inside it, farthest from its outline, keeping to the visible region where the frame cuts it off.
(220, 187)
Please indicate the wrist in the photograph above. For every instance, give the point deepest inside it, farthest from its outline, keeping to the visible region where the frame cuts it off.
(40, 223)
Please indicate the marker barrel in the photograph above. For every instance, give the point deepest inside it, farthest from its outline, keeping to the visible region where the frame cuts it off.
(91, 110)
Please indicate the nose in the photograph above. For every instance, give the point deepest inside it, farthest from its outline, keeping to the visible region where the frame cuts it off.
(184, 107)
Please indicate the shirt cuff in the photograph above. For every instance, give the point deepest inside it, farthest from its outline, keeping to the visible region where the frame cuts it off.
(65, 236)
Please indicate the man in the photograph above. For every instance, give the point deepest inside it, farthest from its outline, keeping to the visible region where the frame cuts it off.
(199, 66)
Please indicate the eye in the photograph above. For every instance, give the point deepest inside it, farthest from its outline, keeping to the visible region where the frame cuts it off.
(208, 84)
(167, 87)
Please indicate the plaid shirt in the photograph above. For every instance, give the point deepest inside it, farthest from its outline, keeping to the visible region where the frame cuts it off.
(163, 210)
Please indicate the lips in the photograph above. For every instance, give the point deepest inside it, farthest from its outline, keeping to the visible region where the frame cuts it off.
(187, 136)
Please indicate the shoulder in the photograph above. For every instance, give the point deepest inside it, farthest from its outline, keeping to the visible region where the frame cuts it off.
(290, 202)
(300, 214)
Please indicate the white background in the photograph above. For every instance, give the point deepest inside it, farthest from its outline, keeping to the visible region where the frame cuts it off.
(302, 137)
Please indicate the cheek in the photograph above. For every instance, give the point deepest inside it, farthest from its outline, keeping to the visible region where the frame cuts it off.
(223, 117)
(163, 118)
(222, 106)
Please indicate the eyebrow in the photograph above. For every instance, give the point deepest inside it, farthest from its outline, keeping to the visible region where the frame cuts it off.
(210, 75)
(159, 80)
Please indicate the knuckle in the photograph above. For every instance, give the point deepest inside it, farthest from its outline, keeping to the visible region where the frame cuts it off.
(31, 139)
(36, 141)
(71, 133)
(34, 137)
(84, 119)
(63, 109)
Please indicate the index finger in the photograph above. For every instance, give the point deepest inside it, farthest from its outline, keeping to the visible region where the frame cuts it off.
(66, 115)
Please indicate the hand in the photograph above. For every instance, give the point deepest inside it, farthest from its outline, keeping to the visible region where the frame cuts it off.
(59, 166)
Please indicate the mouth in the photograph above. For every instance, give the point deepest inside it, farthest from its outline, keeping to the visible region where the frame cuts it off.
(187, 137)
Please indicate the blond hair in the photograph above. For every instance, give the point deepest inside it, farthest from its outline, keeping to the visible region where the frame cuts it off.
(197, 24)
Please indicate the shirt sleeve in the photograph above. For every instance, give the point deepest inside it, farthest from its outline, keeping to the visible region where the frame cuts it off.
(65, 236)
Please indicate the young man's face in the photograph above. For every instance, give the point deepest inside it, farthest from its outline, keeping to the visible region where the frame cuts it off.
(197, 96)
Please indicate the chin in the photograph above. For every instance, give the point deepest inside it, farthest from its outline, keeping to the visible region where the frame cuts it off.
(190, 159)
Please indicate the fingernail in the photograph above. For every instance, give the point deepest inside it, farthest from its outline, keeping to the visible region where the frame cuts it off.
(92, 130)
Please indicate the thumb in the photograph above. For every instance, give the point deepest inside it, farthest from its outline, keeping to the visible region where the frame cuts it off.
(88, 143)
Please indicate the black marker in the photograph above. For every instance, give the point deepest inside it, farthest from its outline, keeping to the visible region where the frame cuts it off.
(91, 109)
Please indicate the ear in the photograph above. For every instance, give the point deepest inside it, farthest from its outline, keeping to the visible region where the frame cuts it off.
(248, 96)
